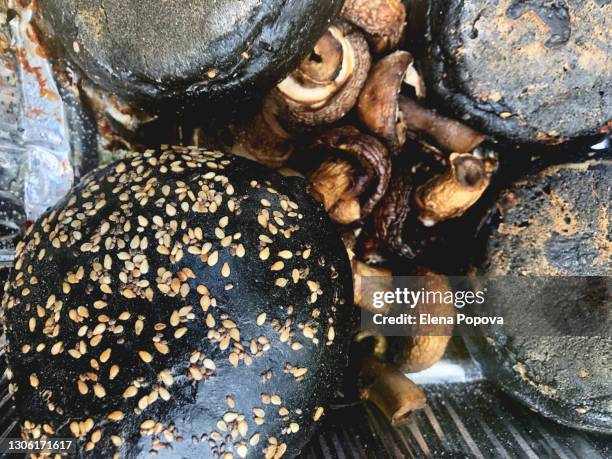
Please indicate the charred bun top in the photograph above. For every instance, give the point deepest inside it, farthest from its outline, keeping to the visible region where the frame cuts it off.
(183, 301)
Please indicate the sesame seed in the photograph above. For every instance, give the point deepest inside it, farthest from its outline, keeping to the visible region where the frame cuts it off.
(57, 348)
(148, 424)
(113, 372)
(261, 318)
(280, 282)
(213, 258)
(161, 348)
(116, 416)
(145, 356)
(286, 254)
(99, 390)
(264, 253)
(225, 270)
(104, 356)
(166, 377)
(180, 332)
(318, 413)
(195, 373)
(83, 389)
(277, 266)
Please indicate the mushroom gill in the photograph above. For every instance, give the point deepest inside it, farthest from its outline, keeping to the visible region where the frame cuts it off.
(327, 83)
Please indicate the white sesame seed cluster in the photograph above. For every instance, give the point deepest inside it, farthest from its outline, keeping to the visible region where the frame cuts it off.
(181, 302)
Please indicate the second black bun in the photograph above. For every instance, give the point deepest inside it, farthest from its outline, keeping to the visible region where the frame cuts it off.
(180, 301)
(163, 50)
(524, 71)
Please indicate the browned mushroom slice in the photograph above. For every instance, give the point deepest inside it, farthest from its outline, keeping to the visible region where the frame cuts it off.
(262, 138)
(392, 211)
(412, 354)
(379, 279)
(453, 192)
(449, 134)
(389, 389)
(328, 82)
(383, 21)
(358, 167)
(378, 107)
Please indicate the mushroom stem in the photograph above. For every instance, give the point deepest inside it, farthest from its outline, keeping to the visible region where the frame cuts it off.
(346, 211)
(381, 280)
(392, 392)
(262, 138)
(453, 192)
(331, 181)
(448, 133)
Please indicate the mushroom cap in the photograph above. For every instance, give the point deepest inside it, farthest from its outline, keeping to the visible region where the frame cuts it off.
(154, 51)
(372, 160)
(325, 87)
(382, 20)
(179, 293)
(378, 107)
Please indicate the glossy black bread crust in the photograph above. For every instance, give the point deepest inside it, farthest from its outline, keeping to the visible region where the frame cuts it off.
(556, 223)
(524, 71)
(184, 301)
(180, 50)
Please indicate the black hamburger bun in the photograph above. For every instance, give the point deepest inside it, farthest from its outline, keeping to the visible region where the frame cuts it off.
(184, 301)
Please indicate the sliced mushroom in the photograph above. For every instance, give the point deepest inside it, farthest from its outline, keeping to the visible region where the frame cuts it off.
(328, 82)
(378, 105)
(412, 354)
(357, 172)
(383, 21)
(392, 211)
(263, 138)
(380, 279)
(449, 134)
(389, 389)
(453, 192)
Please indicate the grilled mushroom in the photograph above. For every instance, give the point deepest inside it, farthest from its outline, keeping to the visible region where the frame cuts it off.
(263, 138)
(389, 389)
(392, 212)
(179, 294)
(357, 172)
(328, 82)
(449, 134)
(453, 192)
(378, 107)
(383, 21)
